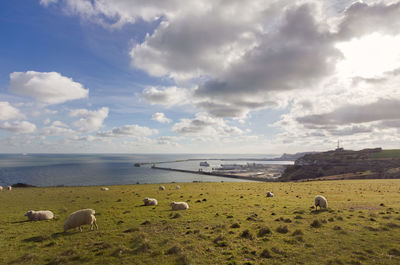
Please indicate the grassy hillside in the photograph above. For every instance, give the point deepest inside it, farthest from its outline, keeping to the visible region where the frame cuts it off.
(345, 164)
(391, 153)
(227, 223)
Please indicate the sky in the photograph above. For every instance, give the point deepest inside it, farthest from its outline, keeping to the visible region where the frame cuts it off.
(204, 76)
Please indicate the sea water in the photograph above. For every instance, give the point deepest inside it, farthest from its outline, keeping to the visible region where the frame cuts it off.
(103, 169)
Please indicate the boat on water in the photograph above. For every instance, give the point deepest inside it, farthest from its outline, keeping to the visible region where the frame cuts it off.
(204, 164)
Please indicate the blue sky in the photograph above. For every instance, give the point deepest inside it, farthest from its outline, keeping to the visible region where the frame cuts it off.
(133, 76)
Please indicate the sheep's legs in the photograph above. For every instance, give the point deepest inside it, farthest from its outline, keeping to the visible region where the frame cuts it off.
(92, 227)
(80, 229)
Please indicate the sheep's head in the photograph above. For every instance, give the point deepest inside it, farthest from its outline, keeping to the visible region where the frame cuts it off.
(66, 227)
(29, 213)
(172, 203)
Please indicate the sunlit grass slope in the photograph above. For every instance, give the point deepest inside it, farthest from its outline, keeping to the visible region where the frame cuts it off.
(227, 223)
(390, 153)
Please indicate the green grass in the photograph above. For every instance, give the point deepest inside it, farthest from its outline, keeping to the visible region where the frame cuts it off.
(391, 153)
(235, 224)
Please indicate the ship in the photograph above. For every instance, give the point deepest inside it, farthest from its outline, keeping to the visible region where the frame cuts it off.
(204, 164)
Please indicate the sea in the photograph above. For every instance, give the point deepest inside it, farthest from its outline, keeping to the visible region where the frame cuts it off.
(111, 169)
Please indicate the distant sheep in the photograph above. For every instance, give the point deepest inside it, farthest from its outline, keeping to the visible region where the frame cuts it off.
(178, 187)
(270, 194)
(105, 188)
(9, 188)
(150, 201)
(161, 188)
(320, 201)
(39, 215)
(79, 218)
(179, 206)
(1, 188)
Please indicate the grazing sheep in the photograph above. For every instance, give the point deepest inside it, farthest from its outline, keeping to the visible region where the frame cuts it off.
(179, 206)
(270, 194)
(39, 215)
(9, 188)
(178, 187)
(1, 188)
(105, 188)
(79, 218)
(161, 188)
(149, 201)
(321, 202)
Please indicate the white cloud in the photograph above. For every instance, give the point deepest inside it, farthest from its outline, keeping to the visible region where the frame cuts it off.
(160, 117)
(8, 112)
(47, 2)
(166, 95)
(46, 121)
(168, 140)
(19, 127)
(91, 120)
(133, 130)
(205, 125)
(47, 87)
(57, 128)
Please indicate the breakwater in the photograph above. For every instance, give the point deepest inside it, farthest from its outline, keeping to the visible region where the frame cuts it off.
(217, 174)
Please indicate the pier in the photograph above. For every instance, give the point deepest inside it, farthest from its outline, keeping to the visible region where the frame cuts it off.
(217, 174)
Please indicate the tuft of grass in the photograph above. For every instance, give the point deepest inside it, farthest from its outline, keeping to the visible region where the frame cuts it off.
(297, 232)
(263, 232)
(235, 225)
(316, 224)
(247, 234)
(282, 229)
(394, 252)
(265, 254)
(174, 250)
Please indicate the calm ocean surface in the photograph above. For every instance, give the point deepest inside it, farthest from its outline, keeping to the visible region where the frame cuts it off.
(103, 169)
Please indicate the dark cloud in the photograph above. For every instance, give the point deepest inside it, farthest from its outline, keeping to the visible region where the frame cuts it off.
(383, 109)
(297, 55)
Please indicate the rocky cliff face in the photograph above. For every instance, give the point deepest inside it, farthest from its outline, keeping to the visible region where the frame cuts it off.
(355, 164)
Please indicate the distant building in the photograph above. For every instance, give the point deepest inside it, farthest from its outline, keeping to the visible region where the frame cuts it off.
(204, 164)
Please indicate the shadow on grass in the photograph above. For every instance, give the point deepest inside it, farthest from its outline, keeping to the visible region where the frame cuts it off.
(59, 234)
(19, 222)
(319, 211)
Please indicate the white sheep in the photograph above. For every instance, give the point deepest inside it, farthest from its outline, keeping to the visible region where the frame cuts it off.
(150, 201)
(321, 202)
(179, 206)
(270, 194)
(9, 188)
(104, 189)
(1, 188)
(79, 218)
(178, 187)
(39, 215)
(161, 187)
